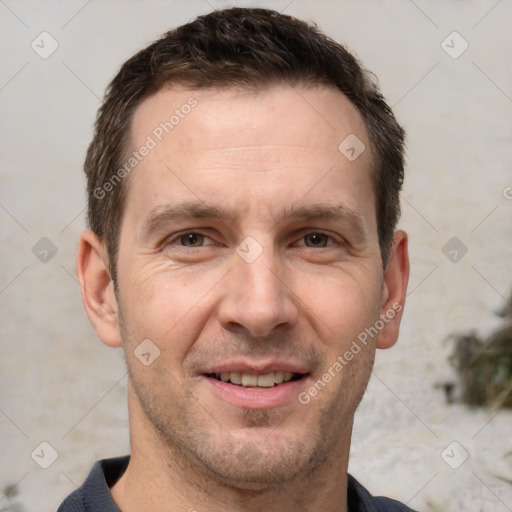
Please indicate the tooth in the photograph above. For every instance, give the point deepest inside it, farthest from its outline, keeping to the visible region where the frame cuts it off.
(235, 377)
(249, 380)
(246, 379)
(287, 376)
(266, 381)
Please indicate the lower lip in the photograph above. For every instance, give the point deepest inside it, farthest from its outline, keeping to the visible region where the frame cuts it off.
(263, 398)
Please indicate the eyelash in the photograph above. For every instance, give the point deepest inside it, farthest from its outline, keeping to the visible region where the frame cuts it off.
(178, 236)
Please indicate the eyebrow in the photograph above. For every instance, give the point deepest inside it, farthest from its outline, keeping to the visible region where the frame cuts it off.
(322, 212)
(163, 215)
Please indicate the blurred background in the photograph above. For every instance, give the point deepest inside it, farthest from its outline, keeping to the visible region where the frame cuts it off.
(444, 66)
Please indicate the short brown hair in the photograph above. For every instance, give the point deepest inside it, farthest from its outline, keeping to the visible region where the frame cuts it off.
(248, 48)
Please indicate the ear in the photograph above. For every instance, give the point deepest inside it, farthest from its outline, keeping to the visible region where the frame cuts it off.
(396, 277)
(97, 288)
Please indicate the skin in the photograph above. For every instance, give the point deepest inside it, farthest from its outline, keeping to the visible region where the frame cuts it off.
(316, 285)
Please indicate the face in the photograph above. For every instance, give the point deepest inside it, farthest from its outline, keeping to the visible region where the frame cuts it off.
(249, 258)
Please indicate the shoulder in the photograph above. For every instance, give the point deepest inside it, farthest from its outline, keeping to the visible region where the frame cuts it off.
(73, 503)
(360, 500)
(389, 505)
(94, 494)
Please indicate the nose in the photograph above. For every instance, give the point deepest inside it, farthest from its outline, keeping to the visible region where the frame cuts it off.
(258, 298)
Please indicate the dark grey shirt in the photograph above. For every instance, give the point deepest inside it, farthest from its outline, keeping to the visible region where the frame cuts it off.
(94, 495)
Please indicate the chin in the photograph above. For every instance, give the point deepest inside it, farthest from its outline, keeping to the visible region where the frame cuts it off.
(257, 460)
(268, 471)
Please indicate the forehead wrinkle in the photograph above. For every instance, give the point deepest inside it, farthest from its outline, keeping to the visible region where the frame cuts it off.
(253, 158)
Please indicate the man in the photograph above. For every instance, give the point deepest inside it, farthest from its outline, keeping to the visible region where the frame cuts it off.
(243, 186)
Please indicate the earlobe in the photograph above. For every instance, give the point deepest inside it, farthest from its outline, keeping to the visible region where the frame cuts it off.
(97, 288)
(396, 278)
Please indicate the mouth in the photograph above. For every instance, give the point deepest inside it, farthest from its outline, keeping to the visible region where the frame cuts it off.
(257, 386)
(256, 381)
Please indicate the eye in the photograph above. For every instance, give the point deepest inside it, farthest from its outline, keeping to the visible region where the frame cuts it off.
(188, 240)
(316, 240)
(189, 247)
(192, 240)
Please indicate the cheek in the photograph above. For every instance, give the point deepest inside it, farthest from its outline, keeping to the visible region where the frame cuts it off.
(166, 305)
(340, 304)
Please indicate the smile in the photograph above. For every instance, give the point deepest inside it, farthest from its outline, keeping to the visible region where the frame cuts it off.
(248, 380)
(256, 388)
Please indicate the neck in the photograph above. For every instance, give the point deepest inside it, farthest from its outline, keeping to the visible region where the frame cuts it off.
(161, 478)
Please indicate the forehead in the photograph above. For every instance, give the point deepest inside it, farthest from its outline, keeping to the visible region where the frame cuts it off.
(318, 117)
(280, 140)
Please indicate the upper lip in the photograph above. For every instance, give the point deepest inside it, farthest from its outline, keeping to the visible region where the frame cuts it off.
(257, 367)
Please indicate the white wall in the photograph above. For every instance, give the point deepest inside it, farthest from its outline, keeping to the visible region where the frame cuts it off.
(59, 384)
